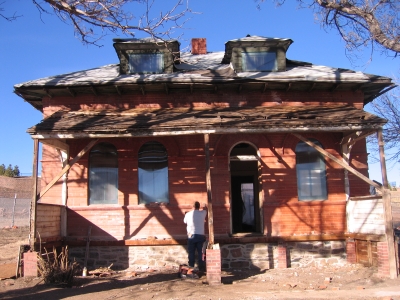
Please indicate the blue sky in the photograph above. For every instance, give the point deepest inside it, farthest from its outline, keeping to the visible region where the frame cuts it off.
(36, 46)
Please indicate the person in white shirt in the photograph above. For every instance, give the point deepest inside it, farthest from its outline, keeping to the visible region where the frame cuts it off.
(194, 221)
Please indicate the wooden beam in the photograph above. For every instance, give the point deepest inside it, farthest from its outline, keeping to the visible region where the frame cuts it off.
(387, 206)
(265, 87)
(346, 160)
(382, 159)
(288, 86)
(341, 163)
(209, 193)
(67, 167)
(191, 88)
(32, 229)
(354, 137)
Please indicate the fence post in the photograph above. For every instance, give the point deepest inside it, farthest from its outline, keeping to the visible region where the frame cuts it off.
(13, 214)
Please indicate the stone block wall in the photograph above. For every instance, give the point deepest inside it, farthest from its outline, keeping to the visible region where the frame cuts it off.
(133, 257)
(269, 256)
(233, 256)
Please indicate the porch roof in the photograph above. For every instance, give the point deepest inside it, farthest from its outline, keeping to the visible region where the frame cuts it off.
(184, 121)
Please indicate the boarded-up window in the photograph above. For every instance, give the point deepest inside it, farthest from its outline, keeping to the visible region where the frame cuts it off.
(311, 172)
(259, 61)
(103, 174)
(146, 63)
(153, 173)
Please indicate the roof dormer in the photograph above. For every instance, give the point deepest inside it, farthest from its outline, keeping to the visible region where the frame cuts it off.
(257, 54)
(146, 56)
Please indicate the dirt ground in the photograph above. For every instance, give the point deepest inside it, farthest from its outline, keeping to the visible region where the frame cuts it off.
(350, 282)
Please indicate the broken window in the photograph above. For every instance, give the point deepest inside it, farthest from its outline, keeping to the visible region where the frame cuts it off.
(103, 174)
(153, 173)
(311, 172)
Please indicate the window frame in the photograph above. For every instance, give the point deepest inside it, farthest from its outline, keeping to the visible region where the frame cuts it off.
(147, 57)
(97, 166)
(157, 166)
(314, 166)
(249, 61)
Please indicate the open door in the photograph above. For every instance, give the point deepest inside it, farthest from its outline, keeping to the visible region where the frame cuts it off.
(245, 204)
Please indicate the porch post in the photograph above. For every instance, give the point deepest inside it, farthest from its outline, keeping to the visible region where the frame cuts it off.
(346, 159)
(64, 192)
(32, 224)
(387, 206)
(209, 194)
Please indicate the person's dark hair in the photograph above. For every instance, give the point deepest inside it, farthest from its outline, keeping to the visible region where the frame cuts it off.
(197, 205)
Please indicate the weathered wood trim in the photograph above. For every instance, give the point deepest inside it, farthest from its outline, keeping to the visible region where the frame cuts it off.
(67, 167)
(230, 130)
(32, 234)
(341, 163)
(387, 209)
(209, 192)
(346, 159)
(369, 197)
(354, 137)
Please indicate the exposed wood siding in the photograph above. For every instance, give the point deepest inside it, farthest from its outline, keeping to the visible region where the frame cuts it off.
(48, 221)
(365, 216)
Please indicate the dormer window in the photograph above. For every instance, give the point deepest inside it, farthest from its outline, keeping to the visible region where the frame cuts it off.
(146, 56)
(257, 54)
(146, 63)
(259, 61)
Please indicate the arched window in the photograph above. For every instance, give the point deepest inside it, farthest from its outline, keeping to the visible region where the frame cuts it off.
(103, 174)
(311, 172)
(153, 173)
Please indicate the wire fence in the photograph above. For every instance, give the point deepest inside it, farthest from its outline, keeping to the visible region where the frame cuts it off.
(14, 212)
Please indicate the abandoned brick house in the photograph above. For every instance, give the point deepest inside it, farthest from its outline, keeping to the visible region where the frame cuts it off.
(264, 140)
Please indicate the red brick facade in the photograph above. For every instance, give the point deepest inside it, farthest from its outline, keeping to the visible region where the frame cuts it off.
(282, 213)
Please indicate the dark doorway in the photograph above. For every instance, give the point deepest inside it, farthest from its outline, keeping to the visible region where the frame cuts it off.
(245, 208)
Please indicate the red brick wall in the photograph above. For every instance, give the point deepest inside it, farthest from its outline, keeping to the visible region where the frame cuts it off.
(282, 213)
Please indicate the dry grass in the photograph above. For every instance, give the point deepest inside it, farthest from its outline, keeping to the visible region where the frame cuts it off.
(55, 268)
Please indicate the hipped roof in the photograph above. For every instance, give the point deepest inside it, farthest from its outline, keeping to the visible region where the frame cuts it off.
(177, 121)
(197, 72)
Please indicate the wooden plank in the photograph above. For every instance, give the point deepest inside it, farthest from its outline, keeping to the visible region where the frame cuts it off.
(209, 193)
(388, 209)
(32, 234)
(68, 166)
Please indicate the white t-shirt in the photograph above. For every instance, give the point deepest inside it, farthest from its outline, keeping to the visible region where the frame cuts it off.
(195, 221)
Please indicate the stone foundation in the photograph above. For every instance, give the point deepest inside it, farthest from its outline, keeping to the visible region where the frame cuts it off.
(233, 256)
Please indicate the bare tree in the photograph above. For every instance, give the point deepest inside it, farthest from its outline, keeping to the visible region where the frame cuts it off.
(93, 19)
(360, 22)
(388, 106)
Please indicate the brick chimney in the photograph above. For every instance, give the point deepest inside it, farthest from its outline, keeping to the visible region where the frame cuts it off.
(199, 46)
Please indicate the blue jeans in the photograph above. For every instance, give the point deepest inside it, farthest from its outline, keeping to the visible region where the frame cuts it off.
(195, 242)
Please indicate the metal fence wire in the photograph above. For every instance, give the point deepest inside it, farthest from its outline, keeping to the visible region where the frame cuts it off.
(14, 212)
